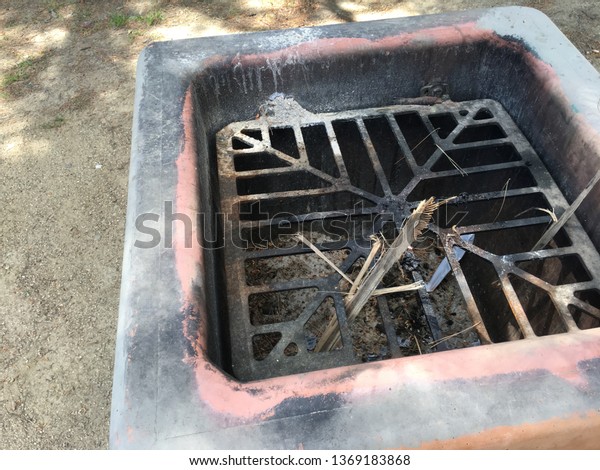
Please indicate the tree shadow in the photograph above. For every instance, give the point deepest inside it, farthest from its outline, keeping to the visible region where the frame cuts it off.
(271, 14)
(340, 13)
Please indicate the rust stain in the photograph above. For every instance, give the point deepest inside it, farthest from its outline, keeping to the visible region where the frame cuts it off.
(578, 431)
(186, 202)
(132, 331)
(188, 256)
(130, 434)
(326, 48)
(251, 401)
(559, 356)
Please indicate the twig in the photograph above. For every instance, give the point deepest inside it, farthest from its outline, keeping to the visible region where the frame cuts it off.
(547, 211)
(446, 338)
(416, 223)
(397, 162)
(556, 226)
(393, 290)
(454, 164)
(304, 240)
(418, 345)
(424, 139)
(365, 268)
(505, 187)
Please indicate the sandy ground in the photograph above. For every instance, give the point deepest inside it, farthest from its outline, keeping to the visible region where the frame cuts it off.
(67, 73)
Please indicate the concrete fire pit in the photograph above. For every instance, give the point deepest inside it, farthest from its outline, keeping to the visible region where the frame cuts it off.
(242, 142)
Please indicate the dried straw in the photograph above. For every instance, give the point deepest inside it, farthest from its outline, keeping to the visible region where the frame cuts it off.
(413, 227)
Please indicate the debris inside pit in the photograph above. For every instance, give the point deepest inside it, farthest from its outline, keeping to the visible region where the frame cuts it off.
(371, 341)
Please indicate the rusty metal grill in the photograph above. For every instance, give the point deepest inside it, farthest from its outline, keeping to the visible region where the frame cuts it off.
(339, 178)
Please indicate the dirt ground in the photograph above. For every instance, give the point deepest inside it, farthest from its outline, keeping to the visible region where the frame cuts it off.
(67, 73)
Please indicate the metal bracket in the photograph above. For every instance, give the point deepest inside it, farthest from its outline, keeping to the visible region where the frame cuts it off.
(437, 90)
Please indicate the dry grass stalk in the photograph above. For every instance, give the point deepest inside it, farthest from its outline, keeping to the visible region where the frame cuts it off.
(446, 338)
(424, 139)
(320, 254)
(556, 226)
(418, 345)
(418, 144)
(505, 190)
(547, 211)
(454, 164)
(394, 290)
(414, 225)
(365, 268)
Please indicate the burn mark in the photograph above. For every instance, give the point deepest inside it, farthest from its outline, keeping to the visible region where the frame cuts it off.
(293, 406)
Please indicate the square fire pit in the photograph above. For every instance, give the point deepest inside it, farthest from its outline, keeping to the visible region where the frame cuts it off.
(264, 166)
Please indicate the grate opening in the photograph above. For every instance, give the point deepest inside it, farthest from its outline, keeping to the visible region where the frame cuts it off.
(478, 156)
(296, 205)
(482, 114)
(290, 350)
(443, 123)
(583, 319)
(410, 328)
(587, 314)
(479, 133)
(283, 139)
(283, 268)
(369, 341)
(356, 157)
(386, 146)
(263, 344)
(290, 181)
(446, 304)
(541, 312)
(492, 304)
(318, 150)
(239, 144)
(253, 133)
(281, 234)
(318, 321)
(417, 136)
(340, 178)
(258, 161)
(557, 270)
(267, 308)
(509, 241)
(499, 209)
(495, 180)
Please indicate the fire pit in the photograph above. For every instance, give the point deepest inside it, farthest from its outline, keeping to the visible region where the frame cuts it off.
(264, 166)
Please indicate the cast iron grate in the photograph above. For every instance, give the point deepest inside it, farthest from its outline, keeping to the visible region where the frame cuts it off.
(339, 178)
